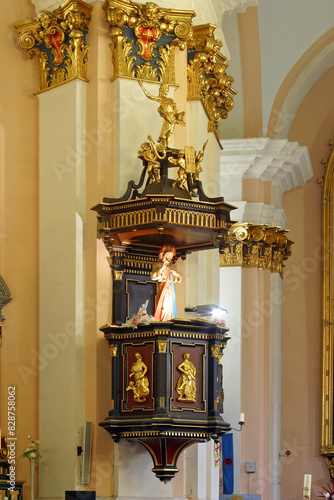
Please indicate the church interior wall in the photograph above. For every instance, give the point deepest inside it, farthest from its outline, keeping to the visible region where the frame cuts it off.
(20, 359)
(301, 297)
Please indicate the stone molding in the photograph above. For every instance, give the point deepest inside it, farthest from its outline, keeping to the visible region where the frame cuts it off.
(258, 213)
(285, 164)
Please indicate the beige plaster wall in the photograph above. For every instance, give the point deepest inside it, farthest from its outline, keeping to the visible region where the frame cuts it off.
(19, 231)
(255, 397)
(251, 72)
(256, 191)
(301, 302)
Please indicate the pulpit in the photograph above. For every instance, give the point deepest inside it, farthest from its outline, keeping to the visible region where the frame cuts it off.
(167, 390)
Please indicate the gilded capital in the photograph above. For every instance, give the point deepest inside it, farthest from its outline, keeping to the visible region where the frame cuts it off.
(118, 275)
(215, 350)
(162, 346)
(261, 246)
(112, 351)
(207, 77)
(58, 39)
(144, 37)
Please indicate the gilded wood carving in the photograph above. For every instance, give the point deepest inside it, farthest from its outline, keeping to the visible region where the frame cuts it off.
(207, 77)
(144, 37)
(140, 384)
(261, 246)
(58, 39)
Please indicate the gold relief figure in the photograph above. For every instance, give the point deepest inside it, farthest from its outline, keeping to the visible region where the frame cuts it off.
(198, 160)
(151, 155)
(168, 112)
(186, 384)
(161, 272)
(140, 384)
(182, 170)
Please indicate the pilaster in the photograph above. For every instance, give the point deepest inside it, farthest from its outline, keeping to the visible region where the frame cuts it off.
(61, 251)
(275, 385)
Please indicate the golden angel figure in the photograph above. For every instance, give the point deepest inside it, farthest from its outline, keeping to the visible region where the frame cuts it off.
(168, 111)
(152, 155)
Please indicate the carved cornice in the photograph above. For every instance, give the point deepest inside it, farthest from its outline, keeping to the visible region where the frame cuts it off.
(144, 37)
(206, 75)
(260, 246)
(284, 164)
(58, 39)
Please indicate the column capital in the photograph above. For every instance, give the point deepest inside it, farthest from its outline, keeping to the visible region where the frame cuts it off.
(58, 39)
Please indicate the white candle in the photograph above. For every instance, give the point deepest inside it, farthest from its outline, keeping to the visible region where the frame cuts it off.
(242, 417)
(307, 485)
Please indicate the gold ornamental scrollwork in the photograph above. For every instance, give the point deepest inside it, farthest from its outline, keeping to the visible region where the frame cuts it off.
(118, 275)
(162, 346)
(3, 448)
(112, 350)
(207, 77)
(58, 39)
(144, 37)
(215, 350)
(327, 418)
(261, 246)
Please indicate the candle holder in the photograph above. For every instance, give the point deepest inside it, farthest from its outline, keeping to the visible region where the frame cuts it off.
(241, 423)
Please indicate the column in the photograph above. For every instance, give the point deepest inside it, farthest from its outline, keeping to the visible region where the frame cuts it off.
(275, 385)
(62, 226)
(62, 219)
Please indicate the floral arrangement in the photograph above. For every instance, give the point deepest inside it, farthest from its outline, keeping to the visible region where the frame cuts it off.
(140, 318)
(220, 322)
(329, 493)
(32, 450)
